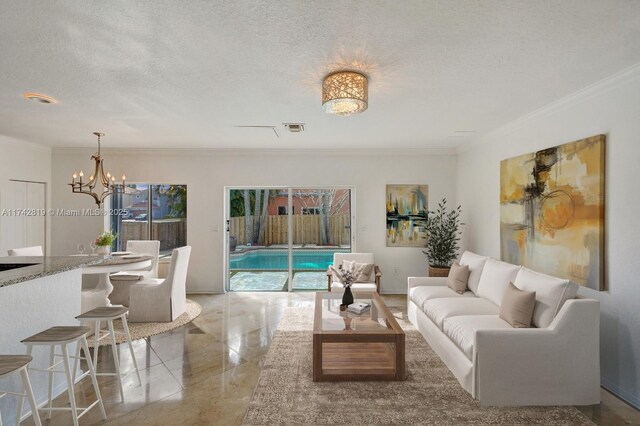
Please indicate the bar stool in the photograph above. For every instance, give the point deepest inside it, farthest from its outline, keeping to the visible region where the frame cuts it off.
(109, 314)
(63, 336)
(10, 364)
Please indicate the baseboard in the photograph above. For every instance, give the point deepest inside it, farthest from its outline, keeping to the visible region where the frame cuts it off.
(203, 292)
(627, 397)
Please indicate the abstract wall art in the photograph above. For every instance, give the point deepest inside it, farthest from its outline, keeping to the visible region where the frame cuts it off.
(552, 211)
(406, 215)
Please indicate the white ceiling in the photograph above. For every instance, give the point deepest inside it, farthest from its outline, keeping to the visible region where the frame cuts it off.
(178, 74)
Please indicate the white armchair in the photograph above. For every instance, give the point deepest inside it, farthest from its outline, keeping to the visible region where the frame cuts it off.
(122, 281)
(372, 285)
(161, 300)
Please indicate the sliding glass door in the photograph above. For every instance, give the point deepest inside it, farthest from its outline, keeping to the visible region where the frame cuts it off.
(321, 226)
(284, 238)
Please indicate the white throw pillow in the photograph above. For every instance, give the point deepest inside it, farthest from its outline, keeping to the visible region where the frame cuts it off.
(495, 279)
(551, 293)
(475, 262)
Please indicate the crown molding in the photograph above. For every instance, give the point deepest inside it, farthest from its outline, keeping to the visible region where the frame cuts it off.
(583, 95)
(220, 152)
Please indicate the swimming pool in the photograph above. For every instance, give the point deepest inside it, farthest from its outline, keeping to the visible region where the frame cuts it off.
(278, 259)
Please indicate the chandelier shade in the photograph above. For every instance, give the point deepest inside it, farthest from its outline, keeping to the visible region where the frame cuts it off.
(107, 181)
(345, 93)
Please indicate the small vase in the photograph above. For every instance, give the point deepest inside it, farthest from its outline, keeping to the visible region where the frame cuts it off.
(347, 296)
(103, 250)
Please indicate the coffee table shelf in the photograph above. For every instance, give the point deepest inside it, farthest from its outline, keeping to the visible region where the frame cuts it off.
(347, 346)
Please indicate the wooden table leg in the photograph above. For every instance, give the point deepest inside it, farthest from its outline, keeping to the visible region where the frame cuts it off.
(400, 364)
(317, 357)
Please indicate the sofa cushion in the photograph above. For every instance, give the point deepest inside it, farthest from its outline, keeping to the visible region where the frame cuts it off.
(462, 329)
(475, 262)
(517, 306)
(495, 278)
(458, 277)
(551, 293)
(421, 294)
(439, 309)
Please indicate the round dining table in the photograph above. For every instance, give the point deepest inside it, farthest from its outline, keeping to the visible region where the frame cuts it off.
(112, 264)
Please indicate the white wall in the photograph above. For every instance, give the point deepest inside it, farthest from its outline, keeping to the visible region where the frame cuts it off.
(23, 161)
(206, 173)
(611, 107)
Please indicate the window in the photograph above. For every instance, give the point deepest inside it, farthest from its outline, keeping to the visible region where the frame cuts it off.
(283, 210)
(151, 212)
(311, 210)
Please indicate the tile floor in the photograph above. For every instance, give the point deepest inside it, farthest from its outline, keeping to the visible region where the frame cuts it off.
(204, 373)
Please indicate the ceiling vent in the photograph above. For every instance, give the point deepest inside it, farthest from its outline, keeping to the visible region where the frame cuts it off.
(294, 127)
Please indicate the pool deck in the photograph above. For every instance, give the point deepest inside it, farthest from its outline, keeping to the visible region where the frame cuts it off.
(277, 280)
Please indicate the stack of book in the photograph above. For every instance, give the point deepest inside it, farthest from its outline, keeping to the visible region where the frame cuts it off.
(358, 307)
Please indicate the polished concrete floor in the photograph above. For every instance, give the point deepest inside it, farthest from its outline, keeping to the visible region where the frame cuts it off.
(204, 373)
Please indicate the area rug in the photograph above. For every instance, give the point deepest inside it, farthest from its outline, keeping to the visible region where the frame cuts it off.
(286, 394)
(140, 330)
(258, 281)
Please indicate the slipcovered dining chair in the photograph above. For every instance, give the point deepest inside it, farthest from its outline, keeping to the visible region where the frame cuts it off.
(122, 281)
(372, 284)
(26, 251)
(162, 300)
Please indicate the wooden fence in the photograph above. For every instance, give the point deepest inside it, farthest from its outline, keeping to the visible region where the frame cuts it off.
(171, 233)
(305, 229)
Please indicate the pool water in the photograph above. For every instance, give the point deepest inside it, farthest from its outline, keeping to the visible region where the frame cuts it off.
(267, 259)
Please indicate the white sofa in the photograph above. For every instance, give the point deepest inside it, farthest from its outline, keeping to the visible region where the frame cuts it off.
(556, 362)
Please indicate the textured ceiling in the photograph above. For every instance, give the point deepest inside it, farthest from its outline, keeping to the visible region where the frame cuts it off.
(178, 74)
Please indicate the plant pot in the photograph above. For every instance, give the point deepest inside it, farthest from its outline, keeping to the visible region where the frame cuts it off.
(103, 250)
(437, 271)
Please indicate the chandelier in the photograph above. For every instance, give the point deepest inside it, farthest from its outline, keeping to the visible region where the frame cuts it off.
(107, 181)
(345, 93)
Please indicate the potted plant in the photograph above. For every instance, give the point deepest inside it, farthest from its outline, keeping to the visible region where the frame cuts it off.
(443, 234)
(103, 242)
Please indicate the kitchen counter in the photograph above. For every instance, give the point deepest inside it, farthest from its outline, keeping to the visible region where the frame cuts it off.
(33, 298)
(43, 267)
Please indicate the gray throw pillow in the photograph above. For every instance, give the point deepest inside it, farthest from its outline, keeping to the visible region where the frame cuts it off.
(458, 277)
(517, 306)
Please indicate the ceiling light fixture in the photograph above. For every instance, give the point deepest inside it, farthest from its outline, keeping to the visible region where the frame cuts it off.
(345, 93)
(107, 180)
(41, 98)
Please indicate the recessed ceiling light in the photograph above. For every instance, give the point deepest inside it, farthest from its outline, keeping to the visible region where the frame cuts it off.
(39, 97)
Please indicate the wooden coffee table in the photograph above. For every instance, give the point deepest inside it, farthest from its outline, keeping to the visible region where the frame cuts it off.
(348, 346)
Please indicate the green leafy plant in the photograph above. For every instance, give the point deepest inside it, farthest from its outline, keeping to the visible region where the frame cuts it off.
(443, 235)
(105, 239)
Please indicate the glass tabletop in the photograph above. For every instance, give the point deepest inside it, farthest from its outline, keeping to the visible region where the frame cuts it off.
(373, 318)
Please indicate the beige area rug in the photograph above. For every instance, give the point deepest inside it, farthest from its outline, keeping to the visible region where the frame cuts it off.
(286, 394)
(140, 330)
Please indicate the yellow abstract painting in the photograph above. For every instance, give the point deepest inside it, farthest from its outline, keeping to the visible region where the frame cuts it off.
(406, 215)
(552, 211)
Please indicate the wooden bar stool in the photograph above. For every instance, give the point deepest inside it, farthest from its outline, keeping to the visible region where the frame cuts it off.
(10, 364)
(109, 314)
(63, 336)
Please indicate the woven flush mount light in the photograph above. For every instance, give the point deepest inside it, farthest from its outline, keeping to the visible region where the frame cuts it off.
(345, 93)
